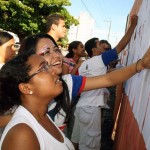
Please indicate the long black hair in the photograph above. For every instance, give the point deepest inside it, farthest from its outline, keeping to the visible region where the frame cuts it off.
(63, 100)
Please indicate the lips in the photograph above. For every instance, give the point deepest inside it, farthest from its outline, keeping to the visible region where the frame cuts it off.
(56, 63)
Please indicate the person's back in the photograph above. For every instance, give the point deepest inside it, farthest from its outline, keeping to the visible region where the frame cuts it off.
(89, 69)
(93, 67)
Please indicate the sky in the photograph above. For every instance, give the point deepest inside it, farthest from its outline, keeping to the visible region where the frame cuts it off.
(110, 16)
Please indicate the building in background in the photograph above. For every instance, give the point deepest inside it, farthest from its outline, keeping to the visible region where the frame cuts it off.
(84, 30)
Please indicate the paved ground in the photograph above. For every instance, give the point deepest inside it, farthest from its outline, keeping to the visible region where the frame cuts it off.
(107, 125)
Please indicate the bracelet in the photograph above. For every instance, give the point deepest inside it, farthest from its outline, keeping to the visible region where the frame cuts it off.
(136, 67)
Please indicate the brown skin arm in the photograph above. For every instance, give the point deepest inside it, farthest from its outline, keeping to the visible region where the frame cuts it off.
(126, 38)
(75, 69)
(4, 120)
(21, 137)
(118, 76)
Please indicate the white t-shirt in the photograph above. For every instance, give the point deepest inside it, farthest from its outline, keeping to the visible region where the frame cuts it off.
(89, 68)
(93, 67)
(46, 140)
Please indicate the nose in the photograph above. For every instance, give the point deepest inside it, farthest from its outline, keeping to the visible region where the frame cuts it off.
(57, 54)
(13, 51)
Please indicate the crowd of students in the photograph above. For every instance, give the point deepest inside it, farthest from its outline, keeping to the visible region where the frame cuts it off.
(39, 88)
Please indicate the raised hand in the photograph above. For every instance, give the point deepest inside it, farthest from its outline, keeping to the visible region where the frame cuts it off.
(144, 63)
(134, 20)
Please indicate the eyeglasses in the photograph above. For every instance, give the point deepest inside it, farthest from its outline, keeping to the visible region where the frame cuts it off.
(45, 67)
(47, 51)
(16, 46)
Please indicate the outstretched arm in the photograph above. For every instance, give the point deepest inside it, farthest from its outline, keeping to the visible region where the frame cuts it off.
(118, 76)
(126, 38)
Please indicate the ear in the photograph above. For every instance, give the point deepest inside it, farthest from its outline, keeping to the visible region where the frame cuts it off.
(54, 27)
(25, 88)
(93, 51)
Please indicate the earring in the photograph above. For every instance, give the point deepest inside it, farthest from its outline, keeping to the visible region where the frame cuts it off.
(31, 92)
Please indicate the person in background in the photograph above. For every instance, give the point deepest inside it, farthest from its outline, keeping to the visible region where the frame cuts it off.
(105, 45)
(109, 100)
(55, 26)
(7, 50)
(90, 102)
(72, 60)
(71, 63)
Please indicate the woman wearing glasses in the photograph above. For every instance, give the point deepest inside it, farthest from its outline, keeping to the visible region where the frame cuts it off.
(30, 126)
(44, 45)
(60, 108)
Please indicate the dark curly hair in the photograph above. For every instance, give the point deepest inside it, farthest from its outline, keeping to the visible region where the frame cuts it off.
(63, 100)
(12, 74)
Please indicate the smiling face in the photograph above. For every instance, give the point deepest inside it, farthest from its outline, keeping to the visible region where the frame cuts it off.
(45, 83)
(46, 48)
(80, 51)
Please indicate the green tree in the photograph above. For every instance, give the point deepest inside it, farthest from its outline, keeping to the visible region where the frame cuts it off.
(25, 17)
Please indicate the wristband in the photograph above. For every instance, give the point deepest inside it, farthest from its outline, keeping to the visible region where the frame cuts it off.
(136, 67)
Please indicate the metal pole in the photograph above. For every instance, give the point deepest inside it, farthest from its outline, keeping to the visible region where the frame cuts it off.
(109, 21)
(109, 30)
